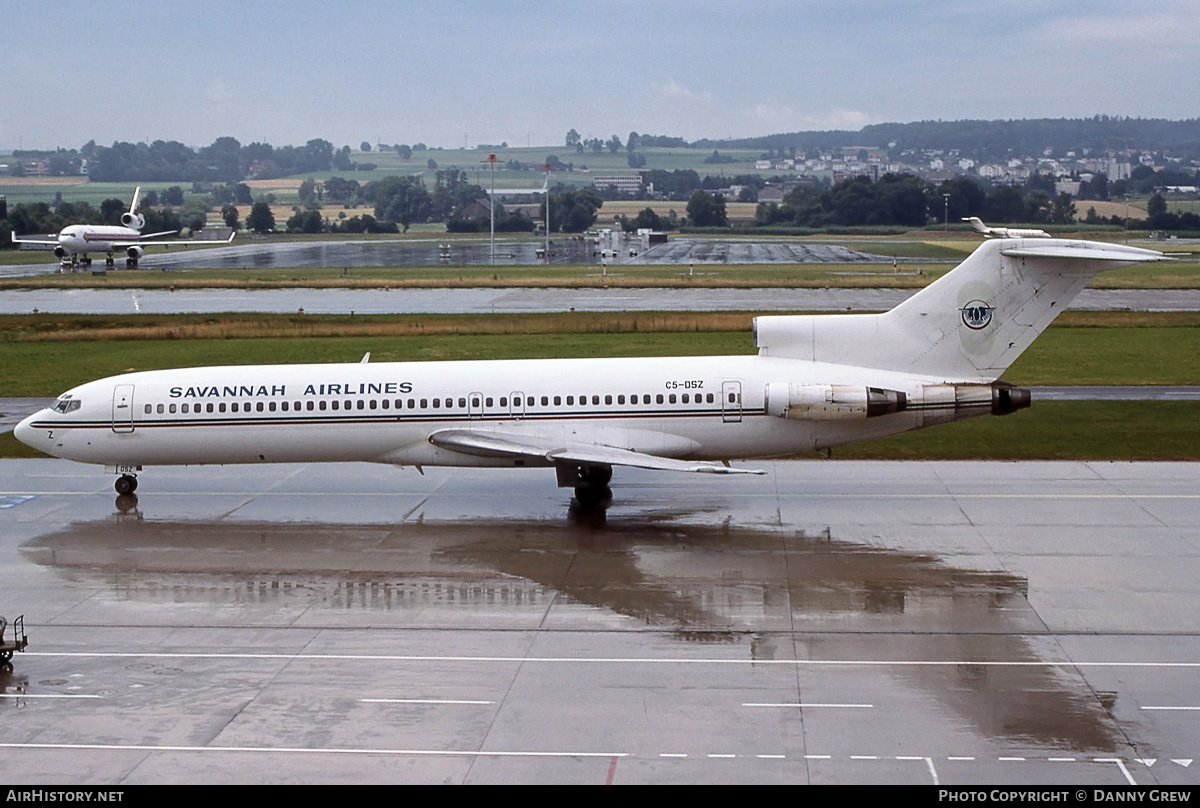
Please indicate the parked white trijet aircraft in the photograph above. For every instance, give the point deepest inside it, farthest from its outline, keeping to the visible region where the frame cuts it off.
(817, 382)
(75, 241)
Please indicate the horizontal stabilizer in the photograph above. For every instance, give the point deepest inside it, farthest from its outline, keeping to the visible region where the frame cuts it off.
(489, 444)
(1090, 252)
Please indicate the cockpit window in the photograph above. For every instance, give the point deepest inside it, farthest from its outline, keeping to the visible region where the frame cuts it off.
(65, 405)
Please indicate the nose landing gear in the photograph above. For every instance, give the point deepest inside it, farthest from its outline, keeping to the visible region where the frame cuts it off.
(126, 484)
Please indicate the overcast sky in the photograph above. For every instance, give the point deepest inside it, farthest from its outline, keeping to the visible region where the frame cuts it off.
(448, 72)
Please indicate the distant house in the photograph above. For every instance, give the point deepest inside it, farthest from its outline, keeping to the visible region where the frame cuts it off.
(771, 194)
(479, 209)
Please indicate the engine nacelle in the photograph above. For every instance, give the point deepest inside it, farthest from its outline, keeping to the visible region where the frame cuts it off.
(135, 252)
(831, 402)
(60, 252)
(939, 403)
(133, 220)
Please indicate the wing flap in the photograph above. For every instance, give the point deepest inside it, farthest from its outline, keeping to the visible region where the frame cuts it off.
(190, 242)
(488, 444)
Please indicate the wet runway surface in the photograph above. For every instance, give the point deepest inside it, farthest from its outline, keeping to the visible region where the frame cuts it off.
(247, 253)
(833, 622)
(519, 300)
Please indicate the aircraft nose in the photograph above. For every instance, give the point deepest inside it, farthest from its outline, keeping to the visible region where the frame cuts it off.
(24, 432)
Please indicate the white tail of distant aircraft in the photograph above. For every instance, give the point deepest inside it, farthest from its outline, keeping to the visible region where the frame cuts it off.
(817, 382)
(76, 241)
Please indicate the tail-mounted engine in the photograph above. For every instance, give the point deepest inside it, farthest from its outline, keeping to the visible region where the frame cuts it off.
(831, 402)
(935, 402)
(133, 220)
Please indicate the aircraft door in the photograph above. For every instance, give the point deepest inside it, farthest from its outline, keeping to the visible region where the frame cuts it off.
(516, 404)
(122, 411)
(731, 402)
(475, 406)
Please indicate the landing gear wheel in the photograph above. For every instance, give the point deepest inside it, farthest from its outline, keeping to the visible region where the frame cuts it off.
(108, 262)
(131, 263)
(126, 484)
(593, 494)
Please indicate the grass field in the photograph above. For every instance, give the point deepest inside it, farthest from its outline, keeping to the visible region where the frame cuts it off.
(1179, 274)
(45, 355)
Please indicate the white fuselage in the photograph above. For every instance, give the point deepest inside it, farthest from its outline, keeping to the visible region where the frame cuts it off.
(702, 408)
(81, 239)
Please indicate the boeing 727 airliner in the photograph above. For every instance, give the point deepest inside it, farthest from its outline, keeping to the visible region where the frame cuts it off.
(817, 382)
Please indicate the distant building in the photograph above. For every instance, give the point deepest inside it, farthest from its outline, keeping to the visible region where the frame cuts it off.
(627, 183)
(479, 209)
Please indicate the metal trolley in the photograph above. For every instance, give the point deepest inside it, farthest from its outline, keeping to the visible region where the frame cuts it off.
(17, 643)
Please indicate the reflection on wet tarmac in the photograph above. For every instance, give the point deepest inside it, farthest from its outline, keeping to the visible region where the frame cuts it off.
(568, 251)
(793, 593)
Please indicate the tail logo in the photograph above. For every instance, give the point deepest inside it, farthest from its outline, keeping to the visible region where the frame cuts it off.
(977, 314)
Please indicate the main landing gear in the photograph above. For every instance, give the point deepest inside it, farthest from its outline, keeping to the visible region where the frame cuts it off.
(591, 482)
(126, 484)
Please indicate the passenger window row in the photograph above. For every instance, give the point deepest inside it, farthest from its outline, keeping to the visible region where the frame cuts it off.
(477, 404)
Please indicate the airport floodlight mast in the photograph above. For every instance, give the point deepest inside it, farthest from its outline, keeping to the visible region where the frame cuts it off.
(491, 161)
(546, 167)
(946, 223)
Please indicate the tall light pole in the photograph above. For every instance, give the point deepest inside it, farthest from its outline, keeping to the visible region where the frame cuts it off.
(946, 224)
(491, 161)
(546, 167)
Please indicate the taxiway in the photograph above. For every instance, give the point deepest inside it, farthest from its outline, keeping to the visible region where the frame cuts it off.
(833, 622)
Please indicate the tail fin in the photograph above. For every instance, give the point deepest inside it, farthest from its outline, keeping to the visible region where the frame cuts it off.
(133, 206)
(969, 325)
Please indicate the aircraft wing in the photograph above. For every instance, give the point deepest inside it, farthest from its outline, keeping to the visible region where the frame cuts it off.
(188, 241)
(489, 444)
(16, 240)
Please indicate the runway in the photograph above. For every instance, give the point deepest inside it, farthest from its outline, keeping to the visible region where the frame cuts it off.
(564, 251)
(832, 622)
